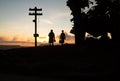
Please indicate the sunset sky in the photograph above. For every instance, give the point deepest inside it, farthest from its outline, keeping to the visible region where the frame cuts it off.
(17, 28)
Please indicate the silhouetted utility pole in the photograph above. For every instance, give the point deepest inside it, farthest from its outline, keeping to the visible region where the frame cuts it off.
(35, 20)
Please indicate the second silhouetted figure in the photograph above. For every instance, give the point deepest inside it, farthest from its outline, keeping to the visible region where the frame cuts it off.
(62, 37)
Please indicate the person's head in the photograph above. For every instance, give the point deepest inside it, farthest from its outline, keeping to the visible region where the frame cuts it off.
(51, 30)
(62, 31)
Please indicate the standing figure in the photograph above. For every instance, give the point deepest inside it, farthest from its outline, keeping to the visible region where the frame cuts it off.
(62, 37)
(51, 37)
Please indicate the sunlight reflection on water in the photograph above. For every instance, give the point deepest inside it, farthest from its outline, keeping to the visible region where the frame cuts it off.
(13, 77)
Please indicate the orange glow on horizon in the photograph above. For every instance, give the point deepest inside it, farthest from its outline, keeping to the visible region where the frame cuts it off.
(29, 41)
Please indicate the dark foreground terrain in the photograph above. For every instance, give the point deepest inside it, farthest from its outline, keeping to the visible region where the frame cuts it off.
(96, 62)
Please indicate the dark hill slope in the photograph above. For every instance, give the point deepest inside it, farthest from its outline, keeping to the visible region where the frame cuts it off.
(91, 61)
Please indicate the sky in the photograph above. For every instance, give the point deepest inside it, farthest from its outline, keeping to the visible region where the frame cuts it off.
(17, 26)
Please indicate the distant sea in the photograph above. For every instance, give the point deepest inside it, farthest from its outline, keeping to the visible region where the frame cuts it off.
(6, 47)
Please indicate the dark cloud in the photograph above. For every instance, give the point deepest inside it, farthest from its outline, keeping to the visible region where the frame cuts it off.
(4, 38)
(69, 38)
(6, 41)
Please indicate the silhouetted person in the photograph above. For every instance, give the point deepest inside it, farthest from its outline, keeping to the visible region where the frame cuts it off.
(62, 37)
(51, 37)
